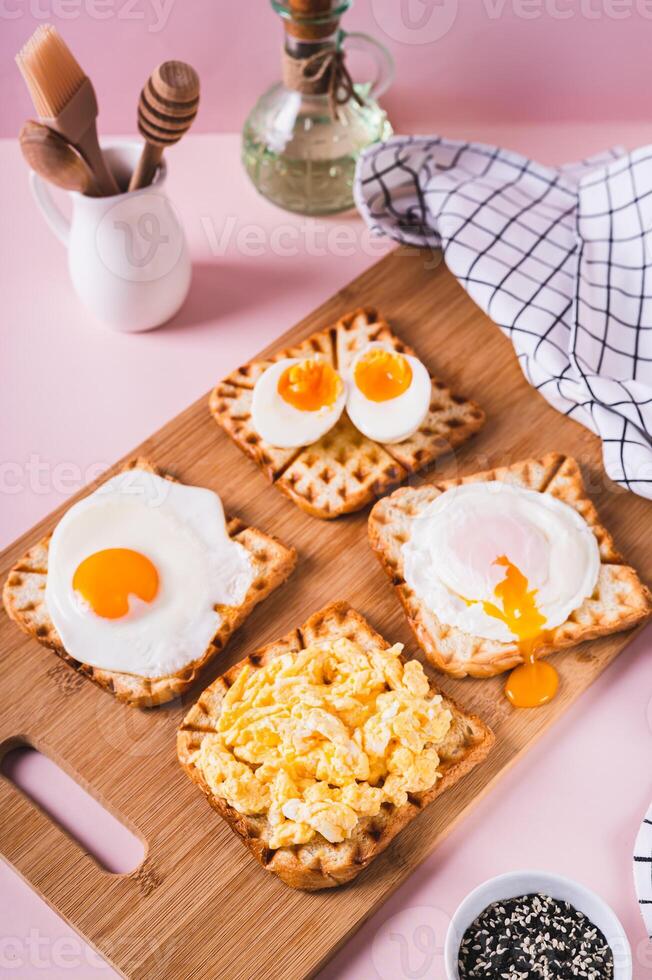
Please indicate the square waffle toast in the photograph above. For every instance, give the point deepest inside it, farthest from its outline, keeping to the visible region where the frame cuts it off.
(344, 470)
(619, 602)
(24, 601)
(320, 864)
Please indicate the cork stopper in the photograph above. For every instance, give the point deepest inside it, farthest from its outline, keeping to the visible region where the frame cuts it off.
(309, 19)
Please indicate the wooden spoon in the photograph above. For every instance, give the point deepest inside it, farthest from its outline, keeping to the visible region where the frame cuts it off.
(166, 108)
(57, 160)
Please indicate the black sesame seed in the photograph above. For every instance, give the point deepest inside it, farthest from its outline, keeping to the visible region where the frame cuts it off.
(534, 936)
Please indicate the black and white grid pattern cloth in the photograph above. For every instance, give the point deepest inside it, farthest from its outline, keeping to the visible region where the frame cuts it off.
(643, 870)
(559, 258)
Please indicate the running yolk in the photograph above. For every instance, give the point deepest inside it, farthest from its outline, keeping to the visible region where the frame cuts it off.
(519, 608)
(310, 385)
(534, 682)
(107, 578)
(382, 375)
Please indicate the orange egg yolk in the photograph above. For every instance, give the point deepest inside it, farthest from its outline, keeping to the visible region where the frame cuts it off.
(107, 578)
(519, 609)
(382, 375)
(534, 682)
(310, 385)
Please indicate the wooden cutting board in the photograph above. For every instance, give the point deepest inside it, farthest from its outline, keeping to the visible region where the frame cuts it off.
(200, 906)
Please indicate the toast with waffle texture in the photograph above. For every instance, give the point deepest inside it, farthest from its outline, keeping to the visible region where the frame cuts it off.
(24, 601)
(619, 602)
(344, 470)
(320, 864)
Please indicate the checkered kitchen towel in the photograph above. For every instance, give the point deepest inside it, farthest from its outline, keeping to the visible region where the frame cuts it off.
(643, 870)
(560, 258)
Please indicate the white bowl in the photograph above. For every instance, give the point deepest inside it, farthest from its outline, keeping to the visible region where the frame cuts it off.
(526, 883)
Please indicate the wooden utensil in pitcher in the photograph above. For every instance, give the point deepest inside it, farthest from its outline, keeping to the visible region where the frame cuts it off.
(51, 156)
(64, 98)
(167, 106)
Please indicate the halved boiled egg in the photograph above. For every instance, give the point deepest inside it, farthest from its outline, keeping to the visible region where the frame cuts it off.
(389, 393)
(296, 401)
(137, 572)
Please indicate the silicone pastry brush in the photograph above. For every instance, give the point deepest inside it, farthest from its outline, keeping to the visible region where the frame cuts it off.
(167, 106)
(64, 97)
(56, 160)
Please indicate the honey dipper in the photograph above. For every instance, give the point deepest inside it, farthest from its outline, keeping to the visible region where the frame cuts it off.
(166, 108)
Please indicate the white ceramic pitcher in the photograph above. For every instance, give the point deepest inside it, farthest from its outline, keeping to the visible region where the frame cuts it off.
(127, 254)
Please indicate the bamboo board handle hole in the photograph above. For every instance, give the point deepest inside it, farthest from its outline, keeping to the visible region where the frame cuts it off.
(71, 808)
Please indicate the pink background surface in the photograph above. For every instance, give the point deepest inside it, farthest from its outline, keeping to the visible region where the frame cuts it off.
(74, 397)
(458, 61)
(557, 79)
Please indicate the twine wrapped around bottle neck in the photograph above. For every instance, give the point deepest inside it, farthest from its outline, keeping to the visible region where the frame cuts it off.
(321, 73)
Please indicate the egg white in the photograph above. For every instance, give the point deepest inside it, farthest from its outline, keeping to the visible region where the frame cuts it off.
(449, 555)
(282, 425)
(182, 530)
(397, 418)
